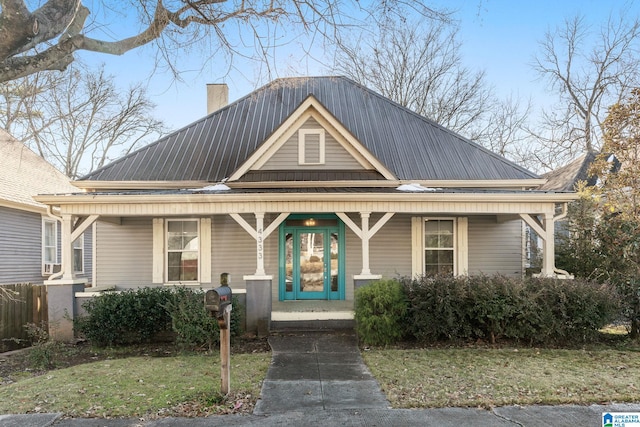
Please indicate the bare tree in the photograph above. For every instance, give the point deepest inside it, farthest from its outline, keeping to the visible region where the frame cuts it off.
(47, 37)
(78, 120)
(589, 71)
(420, 67)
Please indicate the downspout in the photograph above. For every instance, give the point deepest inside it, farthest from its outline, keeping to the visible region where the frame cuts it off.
(59, 219)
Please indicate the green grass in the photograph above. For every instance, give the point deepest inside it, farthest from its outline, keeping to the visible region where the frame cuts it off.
(482, 377)
(139, 386)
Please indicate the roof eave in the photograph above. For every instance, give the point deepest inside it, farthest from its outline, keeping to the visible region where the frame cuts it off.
(486, 197)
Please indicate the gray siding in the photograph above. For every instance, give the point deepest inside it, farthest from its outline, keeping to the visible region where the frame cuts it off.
(124, 255)
(336, 156)
(234, 250)
(495, 247)
(390, 253)
(20, 246)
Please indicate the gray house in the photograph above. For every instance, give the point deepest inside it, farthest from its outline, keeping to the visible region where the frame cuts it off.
(304, 190)
(30, 235)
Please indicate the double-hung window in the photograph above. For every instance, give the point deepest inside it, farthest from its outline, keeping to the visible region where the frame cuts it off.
(49, 241)
(183, 250)
(439, 246)
(78, 254)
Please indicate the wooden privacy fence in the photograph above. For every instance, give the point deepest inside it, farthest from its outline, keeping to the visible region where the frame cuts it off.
(19, 305)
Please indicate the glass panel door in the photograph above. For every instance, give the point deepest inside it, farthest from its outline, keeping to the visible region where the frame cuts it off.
(311, 260)
(312, 265)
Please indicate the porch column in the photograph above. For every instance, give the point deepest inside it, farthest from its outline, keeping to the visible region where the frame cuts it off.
(67, 248)
(61, 292)
(260, 244)
(365, 233)
(548, 256)
(366, 269)
(546, 230)
(259, 285)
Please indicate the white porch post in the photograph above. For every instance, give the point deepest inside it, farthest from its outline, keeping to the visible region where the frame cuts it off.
(259, 234)
(260, 244)
(548, 260)
(67, 247)
(546, 230)
(365, 233)
(366, 269)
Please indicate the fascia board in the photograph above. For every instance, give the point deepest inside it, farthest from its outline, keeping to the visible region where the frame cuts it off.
(88, 198)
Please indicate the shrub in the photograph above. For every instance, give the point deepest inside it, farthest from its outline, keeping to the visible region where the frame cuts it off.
(192, 323)
(380, 310)
(137, 316)
(126, 317)
(439, 307)
(541, 311)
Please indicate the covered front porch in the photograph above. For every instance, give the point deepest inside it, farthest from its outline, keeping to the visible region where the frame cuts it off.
(263, 219)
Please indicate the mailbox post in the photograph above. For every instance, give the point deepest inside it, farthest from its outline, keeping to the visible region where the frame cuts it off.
(218, 302)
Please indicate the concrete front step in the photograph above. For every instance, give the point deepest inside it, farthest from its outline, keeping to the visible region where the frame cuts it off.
(312, 315)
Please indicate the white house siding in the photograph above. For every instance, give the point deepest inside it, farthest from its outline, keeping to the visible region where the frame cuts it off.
(286, 158)
(20, 246)
(124, 253)
(495, 247)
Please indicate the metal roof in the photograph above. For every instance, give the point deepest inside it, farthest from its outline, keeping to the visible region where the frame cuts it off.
(409, 145)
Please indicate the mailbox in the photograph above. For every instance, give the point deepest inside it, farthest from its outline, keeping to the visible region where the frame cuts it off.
(216, 300)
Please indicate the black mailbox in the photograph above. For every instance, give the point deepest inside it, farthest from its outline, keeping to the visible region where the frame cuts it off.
(216, 300)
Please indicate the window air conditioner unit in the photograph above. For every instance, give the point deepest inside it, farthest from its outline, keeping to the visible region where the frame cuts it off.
(50, 268)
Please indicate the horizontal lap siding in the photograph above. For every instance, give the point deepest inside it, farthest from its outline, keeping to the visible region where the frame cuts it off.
(495, 247)
(20, 246)
(124, 253)
(286, 158)
(390, 248)
(234, 250)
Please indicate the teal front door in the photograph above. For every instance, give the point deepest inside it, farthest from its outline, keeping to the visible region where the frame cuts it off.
(312, 258)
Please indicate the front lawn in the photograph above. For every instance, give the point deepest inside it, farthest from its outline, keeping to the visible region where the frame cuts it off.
(487, 377)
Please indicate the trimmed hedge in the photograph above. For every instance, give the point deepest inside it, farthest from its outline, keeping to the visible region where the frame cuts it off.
(533, 311)
(142, 315)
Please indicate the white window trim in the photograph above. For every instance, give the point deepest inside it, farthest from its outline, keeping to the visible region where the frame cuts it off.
(302, 135)
(81, 248)
(49, 270)
(453, 249)
(166, 250)
(460, 244)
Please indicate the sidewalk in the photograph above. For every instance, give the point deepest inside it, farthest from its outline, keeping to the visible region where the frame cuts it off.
(319, 378)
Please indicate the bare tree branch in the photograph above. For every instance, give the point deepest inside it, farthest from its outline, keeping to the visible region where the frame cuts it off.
(420, 67)
(78, 120)
(589, 71)
(47, 38)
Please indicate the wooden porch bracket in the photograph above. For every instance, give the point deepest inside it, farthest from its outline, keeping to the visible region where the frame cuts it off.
(545, 228)
(365, 233)
(259, 234)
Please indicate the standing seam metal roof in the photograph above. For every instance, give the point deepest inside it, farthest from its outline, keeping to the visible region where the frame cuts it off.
(409, 145)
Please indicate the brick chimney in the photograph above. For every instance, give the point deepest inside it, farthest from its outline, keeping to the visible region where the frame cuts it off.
(217, 96)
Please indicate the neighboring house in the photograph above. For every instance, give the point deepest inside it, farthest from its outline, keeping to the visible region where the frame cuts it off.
(29, 237)
(567, 177)
(304, 190)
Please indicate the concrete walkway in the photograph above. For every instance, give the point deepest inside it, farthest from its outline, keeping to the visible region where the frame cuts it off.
(320, 379)
(315, 370)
